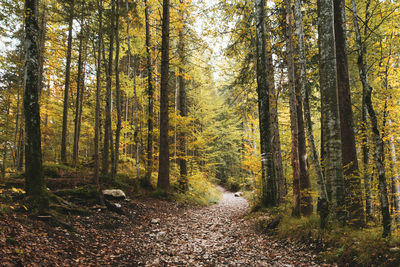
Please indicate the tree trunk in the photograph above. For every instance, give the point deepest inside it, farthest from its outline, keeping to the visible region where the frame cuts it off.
(114, 168)
(42, 42)
(269, 183)
(304, 92)
(330, 110)
(108, 137)
(293, 111)
(79, 95)
(149, 162)
(276, 141)
(98, 87)
(163, 169)
(379, 151)
(183, 181)
(67, 85)
(34, 180)
(352, 181)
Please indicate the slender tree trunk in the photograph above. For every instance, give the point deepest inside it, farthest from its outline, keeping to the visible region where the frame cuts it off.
(108, 137)
(379, 149)
(269, 183)
(352, 181)
(118, 95)
(149, 162)
(304, 88)
(183, 181)
(98, 88)
(79, 92)
(34, 180)
(67, 85)
(395, 176)
(163, 170)
(305, 183)
(276, 141)
(330, 109)
(42, 41)
(293, 111)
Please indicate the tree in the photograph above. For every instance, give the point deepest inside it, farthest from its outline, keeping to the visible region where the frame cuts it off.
(269, 185)
(332, 159)
(34, 180)
(149, 162)
(163, 169)
(294, 128)
(67, 84)
(379, 149)
(352, 179)
(183, 181)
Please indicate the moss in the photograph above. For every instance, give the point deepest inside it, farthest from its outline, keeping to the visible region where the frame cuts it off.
(56, 170)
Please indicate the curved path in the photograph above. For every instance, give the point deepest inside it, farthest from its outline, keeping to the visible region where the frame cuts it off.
(218, 236)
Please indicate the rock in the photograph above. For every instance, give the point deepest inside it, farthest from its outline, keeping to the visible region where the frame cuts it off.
(395, 249)
(160, 235)
(155, 221)
(275, 222)
(238, 194)
(115, 193)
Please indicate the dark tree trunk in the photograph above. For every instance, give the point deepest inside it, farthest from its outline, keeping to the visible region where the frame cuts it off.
(183, 181)
(270, 196)
(149, 162)
(293, 112)
(67, 85)
(305, 183)
(352, 179)
(34, 180)
(114, 168)
(163, 170)
(79, 96)
(98, 87)
(108, 137)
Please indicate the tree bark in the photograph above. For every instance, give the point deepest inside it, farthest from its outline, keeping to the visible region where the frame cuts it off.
(34, 180)
(305, 88)
(79, 97)
(149, 162)
(163, 169)
(293, 111)
(114, 168)
(269, 184)
(183, 180)
(98, 88)
(108, 136)
(352, 181)
(67, 85)
(332, 160)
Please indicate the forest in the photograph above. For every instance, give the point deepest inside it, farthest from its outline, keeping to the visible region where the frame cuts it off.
(199, 132)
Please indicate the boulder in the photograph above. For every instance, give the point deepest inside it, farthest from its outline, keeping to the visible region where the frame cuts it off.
(114, 193)
(238, 194)
(155, 221)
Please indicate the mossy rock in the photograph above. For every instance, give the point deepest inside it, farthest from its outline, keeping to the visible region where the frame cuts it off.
(84, 194)
(56, 170)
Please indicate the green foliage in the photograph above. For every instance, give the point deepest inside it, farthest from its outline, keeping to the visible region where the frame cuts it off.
(55, 170)
(201, 192)
(345, 246)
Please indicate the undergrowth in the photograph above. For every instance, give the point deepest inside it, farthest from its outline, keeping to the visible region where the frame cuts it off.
(201, 191)
(344, 246)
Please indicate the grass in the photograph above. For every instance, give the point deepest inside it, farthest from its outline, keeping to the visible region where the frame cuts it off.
(344, 246)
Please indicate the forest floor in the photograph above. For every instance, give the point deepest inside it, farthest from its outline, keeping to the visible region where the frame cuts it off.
(152, 232)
